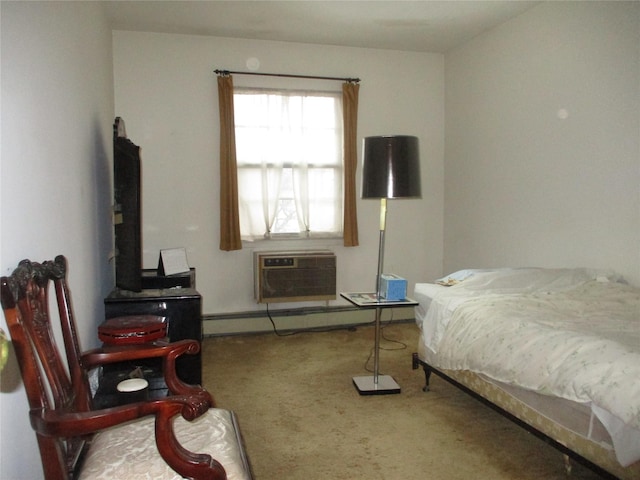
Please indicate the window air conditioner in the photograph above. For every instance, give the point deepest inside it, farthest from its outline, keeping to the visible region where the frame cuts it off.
(298, 276)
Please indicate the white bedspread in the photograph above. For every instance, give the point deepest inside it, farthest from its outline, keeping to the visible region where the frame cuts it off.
(584, 346)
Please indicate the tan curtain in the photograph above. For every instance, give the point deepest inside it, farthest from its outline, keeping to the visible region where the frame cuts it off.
(229, 213)
(350, 119)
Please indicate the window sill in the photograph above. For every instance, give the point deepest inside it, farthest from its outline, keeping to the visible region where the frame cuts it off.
(338, 239)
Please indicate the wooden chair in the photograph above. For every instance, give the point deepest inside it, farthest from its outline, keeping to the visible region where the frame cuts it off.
(75, 441)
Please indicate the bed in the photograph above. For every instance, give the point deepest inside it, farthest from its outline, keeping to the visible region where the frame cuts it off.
(556, 350)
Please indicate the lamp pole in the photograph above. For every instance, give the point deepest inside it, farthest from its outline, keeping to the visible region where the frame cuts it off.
(376, 352)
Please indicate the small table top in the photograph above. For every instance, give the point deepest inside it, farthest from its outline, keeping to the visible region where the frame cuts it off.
(368, 299)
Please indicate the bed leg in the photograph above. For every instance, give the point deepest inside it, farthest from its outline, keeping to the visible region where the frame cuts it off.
(427, 371)
(427, 376)
(568, 466)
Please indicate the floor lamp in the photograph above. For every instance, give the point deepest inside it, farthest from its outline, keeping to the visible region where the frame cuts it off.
(390, 169)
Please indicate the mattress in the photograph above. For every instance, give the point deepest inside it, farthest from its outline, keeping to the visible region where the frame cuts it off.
(570, 334)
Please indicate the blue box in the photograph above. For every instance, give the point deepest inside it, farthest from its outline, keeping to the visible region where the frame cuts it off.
(393, 287)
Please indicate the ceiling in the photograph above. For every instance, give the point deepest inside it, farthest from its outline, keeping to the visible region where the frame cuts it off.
(421, 26)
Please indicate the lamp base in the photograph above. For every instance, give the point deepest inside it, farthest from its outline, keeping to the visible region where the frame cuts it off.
(367, 386)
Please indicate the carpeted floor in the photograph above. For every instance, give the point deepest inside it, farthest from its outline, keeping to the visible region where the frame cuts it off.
(302, 418)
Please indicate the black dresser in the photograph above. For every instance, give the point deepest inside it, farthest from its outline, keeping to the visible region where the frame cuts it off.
(182, 307)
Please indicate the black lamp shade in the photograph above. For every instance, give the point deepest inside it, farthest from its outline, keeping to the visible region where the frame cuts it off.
(390, 167)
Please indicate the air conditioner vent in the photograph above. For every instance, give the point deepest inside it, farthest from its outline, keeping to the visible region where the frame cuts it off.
(294, 276)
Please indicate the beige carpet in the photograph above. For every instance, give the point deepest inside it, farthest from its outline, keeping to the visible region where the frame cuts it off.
(303, 419)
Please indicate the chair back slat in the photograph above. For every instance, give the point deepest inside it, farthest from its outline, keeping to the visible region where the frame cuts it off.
(77, 372)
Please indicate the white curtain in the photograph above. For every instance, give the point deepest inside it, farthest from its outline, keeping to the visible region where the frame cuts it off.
(282, 146)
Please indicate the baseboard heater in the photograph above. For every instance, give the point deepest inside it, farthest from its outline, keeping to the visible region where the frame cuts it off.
(294, 276)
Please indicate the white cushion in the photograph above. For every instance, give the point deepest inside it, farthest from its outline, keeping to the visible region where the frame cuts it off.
(129, 451)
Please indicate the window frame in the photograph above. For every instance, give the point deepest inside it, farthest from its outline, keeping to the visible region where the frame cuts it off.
(336, 166)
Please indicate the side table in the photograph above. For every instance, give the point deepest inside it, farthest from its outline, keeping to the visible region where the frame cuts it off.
(376, 384)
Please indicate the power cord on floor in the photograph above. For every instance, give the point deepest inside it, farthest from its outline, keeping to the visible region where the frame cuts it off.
(309, 330)
(383, 325)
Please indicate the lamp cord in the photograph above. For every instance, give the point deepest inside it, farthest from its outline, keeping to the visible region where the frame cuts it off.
(383, 326)
(402, 345)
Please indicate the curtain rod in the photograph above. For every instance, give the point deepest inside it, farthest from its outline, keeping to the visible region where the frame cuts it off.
(287, 75)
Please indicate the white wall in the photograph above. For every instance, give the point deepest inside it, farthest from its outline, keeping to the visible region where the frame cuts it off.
(166, 92)
(543, 141)
(57, 112)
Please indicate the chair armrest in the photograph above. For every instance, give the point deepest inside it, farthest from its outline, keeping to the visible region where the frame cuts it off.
(122, 353)
(71, 424)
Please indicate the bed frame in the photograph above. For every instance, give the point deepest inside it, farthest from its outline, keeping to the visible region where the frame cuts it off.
(589, 454)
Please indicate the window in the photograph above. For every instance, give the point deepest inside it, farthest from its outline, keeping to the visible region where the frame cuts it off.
(289, 158)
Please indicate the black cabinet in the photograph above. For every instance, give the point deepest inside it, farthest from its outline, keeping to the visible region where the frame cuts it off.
(182, 308)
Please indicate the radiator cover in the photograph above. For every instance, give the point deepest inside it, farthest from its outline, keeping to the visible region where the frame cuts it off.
(297, 276)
